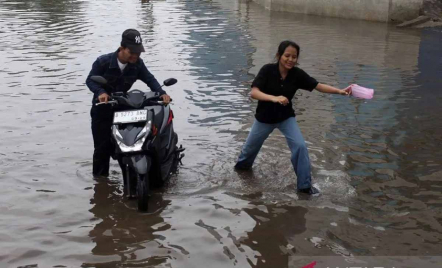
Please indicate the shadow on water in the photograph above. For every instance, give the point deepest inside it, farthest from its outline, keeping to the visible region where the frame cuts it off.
(274, 232)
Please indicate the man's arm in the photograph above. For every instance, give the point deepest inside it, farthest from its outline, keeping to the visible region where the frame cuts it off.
(149, 79)
(97, 69)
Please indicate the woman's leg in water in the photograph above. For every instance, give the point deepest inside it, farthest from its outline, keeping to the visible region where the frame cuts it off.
(299, 158)
(258, 134)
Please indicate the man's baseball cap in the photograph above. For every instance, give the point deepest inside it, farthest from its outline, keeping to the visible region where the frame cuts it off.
(131, 39)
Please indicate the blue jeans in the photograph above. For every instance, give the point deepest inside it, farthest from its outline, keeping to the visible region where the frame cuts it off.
(289, 127)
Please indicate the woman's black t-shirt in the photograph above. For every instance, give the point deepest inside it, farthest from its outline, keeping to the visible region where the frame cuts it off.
(269, 81)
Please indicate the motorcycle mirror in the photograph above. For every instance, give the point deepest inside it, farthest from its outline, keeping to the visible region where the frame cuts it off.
(170, 81)
(99, 79)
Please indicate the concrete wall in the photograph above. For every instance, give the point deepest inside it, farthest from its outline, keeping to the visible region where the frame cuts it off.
(401, 10)
(373, 10)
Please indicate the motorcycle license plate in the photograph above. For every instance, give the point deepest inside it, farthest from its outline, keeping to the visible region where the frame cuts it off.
(130, 116)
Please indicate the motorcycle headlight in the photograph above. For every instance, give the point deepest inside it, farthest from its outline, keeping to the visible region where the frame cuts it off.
(146, 129)
(117, 133)
(141, 134)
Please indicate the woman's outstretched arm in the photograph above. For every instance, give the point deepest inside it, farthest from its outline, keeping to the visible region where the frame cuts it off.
(332, 90)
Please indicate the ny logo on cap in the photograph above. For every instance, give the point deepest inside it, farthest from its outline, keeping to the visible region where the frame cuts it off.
(137, 39)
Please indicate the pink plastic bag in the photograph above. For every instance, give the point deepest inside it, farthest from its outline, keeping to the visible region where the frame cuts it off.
(361, 92)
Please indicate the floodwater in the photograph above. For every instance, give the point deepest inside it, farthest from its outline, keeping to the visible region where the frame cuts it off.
(378, 163)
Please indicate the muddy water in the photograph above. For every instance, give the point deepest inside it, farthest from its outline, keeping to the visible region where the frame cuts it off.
(377, 163)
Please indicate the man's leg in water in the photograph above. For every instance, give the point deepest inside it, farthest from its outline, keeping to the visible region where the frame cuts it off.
(101, 132)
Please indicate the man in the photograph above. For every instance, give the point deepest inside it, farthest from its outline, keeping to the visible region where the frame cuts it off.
(121, 69)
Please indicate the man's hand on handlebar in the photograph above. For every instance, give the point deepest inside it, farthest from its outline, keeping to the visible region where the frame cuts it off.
(165, 98)
(103, 98)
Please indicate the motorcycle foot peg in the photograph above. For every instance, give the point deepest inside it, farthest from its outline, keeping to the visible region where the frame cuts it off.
(180, 158)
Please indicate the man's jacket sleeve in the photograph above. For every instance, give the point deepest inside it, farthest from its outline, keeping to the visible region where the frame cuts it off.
(149, 79)
(97, 69)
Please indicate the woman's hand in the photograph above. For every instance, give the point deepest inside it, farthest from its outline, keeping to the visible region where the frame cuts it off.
(332, 90)
(346, 91)
(281, 100)
(258, 95)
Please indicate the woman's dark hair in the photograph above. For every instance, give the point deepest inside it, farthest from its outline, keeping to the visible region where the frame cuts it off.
(285, 44)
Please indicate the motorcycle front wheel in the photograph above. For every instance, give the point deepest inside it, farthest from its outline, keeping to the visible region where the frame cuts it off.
(143, 191)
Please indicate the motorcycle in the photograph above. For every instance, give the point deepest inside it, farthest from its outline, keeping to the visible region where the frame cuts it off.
(144, 138)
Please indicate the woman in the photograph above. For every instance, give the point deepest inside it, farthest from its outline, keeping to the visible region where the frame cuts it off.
(274, 87)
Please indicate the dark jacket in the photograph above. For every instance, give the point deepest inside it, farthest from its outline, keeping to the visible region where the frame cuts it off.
(107, 66)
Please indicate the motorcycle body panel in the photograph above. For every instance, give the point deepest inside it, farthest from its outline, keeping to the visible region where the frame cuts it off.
(150, 145)
(145, 147)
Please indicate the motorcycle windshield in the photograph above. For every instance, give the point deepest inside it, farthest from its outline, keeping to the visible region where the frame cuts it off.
(134, 99)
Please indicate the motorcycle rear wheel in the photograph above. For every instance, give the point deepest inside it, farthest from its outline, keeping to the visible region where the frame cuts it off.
(143, 191)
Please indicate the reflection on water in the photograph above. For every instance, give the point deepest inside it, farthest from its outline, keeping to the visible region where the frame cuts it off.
(377, 162)
(123, 234)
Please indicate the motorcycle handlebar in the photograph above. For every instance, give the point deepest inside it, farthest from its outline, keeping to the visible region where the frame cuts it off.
(109, 102)
(116, 102)
(160, 102)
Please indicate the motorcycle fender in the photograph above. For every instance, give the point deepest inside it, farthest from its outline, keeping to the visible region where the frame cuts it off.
(141, 163)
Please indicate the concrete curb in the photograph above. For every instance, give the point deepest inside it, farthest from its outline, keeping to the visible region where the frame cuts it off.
(414, 22)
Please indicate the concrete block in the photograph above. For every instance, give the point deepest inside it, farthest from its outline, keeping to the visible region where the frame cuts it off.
(429, 24)
(373, 10)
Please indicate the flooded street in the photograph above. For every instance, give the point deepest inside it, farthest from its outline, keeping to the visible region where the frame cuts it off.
(377, 163)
